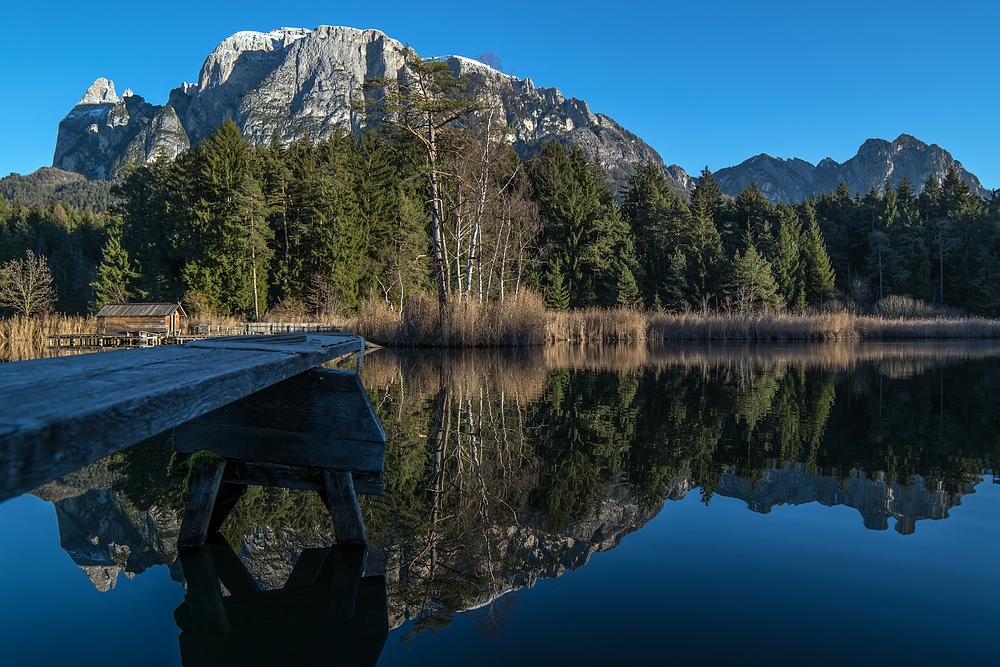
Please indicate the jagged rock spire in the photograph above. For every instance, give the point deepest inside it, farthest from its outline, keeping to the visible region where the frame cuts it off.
(101, 91)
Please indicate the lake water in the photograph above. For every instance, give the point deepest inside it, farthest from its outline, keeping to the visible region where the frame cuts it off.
(782, 504)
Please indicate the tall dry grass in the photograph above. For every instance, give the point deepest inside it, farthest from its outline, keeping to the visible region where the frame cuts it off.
(604, 325)
(23, 337)
(37, 327)
(783, 326)
(752, 326)
(517, 321)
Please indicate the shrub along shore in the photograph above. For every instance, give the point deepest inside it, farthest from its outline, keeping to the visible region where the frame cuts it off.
(523, 320)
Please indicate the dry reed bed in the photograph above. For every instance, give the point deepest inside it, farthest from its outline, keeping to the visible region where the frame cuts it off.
(519, 320)
(35, 328)
(523, 320)
(629, 324)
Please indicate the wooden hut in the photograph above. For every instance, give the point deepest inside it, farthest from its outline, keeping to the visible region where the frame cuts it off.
(161, 318)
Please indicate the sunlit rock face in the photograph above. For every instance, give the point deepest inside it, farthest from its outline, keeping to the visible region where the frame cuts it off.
(102, 133)
(292, 83)
(877, 163)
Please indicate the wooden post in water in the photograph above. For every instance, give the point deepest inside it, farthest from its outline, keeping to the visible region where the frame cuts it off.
(204, 480)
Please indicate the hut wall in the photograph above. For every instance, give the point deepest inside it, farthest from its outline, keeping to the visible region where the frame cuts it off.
(151, 323)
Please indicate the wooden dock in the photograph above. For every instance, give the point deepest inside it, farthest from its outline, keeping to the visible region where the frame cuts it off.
(59, 414)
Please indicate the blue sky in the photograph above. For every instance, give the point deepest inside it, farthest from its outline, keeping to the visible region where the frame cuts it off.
(708, 83)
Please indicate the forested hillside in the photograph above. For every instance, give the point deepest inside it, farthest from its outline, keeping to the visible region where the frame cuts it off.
(48, 185)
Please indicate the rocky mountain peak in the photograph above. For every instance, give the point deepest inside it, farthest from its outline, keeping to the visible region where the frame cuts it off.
(220, 63)
(876, 163)
(906, 141)
(101, 91)
(295, 82)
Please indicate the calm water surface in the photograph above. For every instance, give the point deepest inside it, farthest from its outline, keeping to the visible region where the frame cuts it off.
(753, 505)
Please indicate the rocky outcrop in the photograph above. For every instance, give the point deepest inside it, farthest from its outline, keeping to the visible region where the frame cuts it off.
(536, 115)
(877, 162)
(102, 133)
(509, 558)
(269, 555)
(293, 83)
(289, 83)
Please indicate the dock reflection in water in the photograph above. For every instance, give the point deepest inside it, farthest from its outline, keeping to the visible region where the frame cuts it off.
(503, 470)
(325, 609)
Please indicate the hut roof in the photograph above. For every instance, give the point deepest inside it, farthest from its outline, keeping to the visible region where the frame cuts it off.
(140, 310)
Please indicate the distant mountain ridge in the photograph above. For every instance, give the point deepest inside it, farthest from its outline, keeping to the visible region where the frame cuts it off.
(295, 82)
(876, 163)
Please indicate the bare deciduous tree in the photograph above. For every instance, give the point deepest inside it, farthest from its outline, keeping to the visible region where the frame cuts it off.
(26, 285)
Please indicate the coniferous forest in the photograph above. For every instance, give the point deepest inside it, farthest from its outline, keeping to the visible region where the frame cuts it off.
(434, 200)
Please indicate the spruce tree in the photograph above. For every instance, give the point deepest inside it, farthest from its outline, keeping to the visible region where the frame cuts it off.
(753, 285)
(114, 274)
(819, 275)
(556, 292)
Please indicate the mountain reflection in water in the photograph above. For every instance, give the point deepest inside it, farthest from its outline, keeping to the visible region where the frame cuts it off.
(504, 469)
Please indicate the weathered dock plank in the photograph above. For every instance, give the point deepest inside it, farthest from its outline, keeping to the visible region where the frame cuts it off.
(59, 414)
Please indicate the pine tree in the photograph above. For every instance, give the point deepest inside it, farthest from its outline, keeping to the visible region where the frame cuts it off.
(427, 103)
(557, 293)
(114, 274)
(819, 275)
(582, 223)
(754, 216)
(788, 265)
(675, 288)
(706, 259)
(753, 285)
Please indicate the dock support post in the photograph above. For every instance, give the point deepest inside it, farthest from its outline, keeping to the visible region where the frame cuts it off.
(343, 505)
(204, 595)
(206, 477)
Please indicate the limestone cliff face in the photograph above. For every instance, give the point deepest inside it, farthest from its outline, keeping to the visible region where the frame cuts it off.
(536, 115)
(103, 133)
(877, 162)
(291, 83)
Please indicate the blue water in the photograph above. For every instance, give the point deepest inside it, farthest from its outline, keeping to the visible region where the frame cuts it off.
(51, 613)
(802, 585)
(761, 574)
(716, 584)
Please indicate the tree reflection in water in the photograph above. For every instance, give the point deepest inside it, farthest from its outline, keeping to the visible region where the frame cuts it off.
(505, 468)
